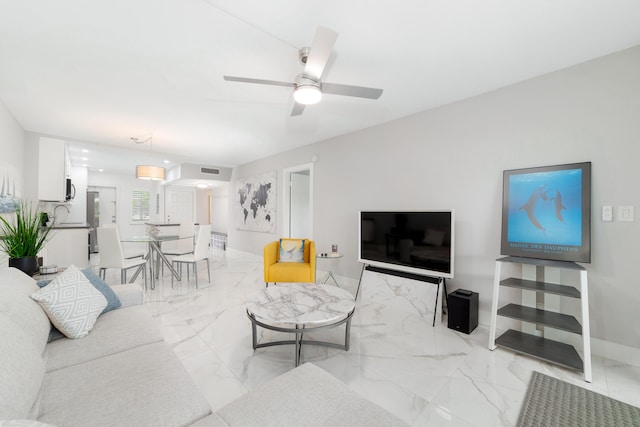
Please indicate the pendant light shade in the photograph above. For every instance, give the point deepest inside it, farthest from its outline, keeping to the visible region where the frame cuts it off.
(149, 172)
(154, 173)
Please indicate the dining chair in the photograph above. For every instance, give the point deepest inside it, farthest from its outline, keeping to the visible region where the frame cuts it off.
(182, 246)
(112, 255)
(127, 254)
(200, 253)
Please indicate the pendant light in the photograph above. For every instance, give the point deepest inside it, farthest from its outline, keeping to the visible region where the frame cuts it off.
(149, 172)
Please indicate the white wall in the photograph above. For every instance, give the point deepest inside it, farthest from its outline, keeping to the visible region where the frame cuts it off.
(11, 144)
(31, 155)
(453, 157)
(300, 210)
(203, 206)
(220, 209)
(12, 156)
(124, 184)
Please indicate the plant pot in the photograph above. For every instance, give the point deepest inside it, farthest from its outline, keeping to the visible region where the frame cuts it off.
(28, 265)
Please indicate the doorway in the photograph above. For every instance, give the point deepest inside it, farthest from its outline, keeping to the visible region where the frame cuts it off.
(179, 205)
(298, 201)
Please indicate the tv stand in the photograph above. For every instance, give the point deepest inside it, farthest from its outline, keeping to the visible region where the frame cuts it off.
(538, 345)
(429, 279)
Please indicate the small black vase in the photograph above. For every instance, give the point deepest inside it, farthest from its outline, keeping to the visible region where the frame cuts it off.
(28, 265)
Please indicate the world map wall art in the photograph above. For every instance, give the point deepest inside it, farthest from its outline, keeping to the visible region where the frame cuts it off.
(256, 203)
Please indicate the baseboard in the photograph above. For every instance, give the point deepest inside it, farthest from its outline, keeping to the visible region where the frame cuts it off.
(617, 352)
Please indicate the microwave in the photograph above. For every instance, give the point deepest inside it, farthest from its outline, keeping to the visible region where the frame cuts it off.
(70, 191)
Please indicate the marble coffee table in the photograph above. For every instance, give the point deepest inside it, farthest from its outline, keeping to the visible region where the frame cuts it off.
(300, 308)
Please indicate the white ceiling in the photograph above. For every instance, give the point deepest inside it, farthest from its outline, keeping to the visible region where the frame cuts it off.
(104, 71)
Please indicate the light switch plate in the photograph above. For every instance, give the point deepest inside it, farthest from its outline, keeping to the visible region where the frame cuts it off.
(625, 213)
(607, 213)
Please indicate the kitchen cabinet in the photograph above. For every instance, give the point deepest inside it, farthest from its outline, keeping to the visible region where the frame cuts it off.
(52, 169)
(4, 259)
(68, 245)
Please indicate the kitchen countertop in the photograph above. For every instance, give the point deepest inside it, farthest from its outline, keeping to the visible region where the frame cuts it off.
(162, 224)
(69, 226)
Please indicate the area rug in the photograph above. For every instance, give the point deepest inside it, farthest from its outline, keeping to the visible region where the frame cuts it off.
(553, 402)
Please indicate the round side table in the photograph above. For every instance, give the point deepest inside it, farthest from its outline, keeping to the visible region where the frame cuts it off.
(329, 275)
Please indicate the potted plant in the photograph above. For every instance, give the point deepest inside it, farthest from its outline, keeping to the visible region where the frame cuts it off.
(22, 236)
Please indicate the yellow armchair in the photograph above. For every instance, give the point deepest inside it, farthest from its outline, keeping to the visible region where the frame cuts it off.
(303, 272)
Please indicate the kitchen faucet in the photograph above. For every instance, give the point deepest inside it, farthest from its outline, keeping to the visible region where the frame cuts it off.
(55, 209)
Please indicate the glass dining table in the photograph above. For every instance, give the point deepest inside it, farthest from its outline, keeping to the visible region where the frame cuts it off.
(155, 251)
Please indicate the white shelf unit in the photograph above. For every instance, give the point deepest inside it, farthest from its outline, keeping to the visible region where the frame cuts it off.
(538, 346)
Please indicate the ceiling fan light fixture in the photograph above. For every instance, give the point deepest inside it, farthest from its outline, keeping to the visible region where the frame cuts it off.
(308, 86)
(307, 94)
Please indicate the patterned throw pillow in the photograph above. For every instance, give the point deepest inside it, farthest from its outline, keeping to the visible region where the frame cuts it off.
(291, 250)
(71, 302)
(113, 301)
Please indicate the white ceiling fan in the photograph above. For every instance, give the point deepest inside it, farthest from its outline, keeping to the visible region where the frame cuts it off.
(308, 87)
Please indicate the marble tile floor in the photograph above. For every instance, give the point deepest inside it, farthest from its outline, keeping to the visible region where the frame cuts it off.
(425, 375)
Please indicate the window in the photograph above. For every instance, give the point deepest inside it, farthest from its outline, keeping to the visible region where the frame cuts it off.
(140, 205)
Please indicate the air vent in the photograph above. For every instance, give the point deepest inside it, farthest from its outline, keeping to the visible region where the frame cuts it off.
(189, 171)
(210, 171)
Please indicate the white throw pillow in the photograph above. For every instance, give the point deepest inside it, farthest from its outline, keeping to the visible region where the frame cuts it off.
(71, 302)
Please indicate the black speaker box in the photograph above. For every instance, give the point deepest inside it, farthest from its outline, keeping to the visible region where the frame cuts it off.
(463, 311)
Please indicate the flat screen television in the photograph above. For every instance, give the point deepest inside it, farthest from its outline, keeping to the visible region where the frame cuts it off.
(546, 212)
(410, 241)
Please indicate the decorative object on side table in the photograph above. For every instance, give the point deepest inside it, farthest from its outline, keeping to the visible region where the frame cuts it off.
(49, 269)
(22, 236)
(153, 231)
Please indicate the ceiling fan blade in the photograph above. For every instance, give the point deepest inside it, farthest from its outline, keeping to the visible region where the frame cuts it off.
(258, 81)
(297, 109)
(320, 52)
(349, 90)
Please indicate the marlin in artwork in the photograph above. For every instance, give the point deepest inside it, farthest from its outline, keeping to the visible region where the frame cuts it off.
(530, 206)
(559, 206)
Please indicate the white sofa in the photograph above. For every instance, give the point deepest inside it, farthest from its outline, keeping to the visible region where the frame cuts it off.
(123, 374)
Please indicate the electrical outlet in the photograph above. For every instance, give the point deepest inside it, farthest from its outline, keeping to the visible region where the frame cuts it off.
(607, 213)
